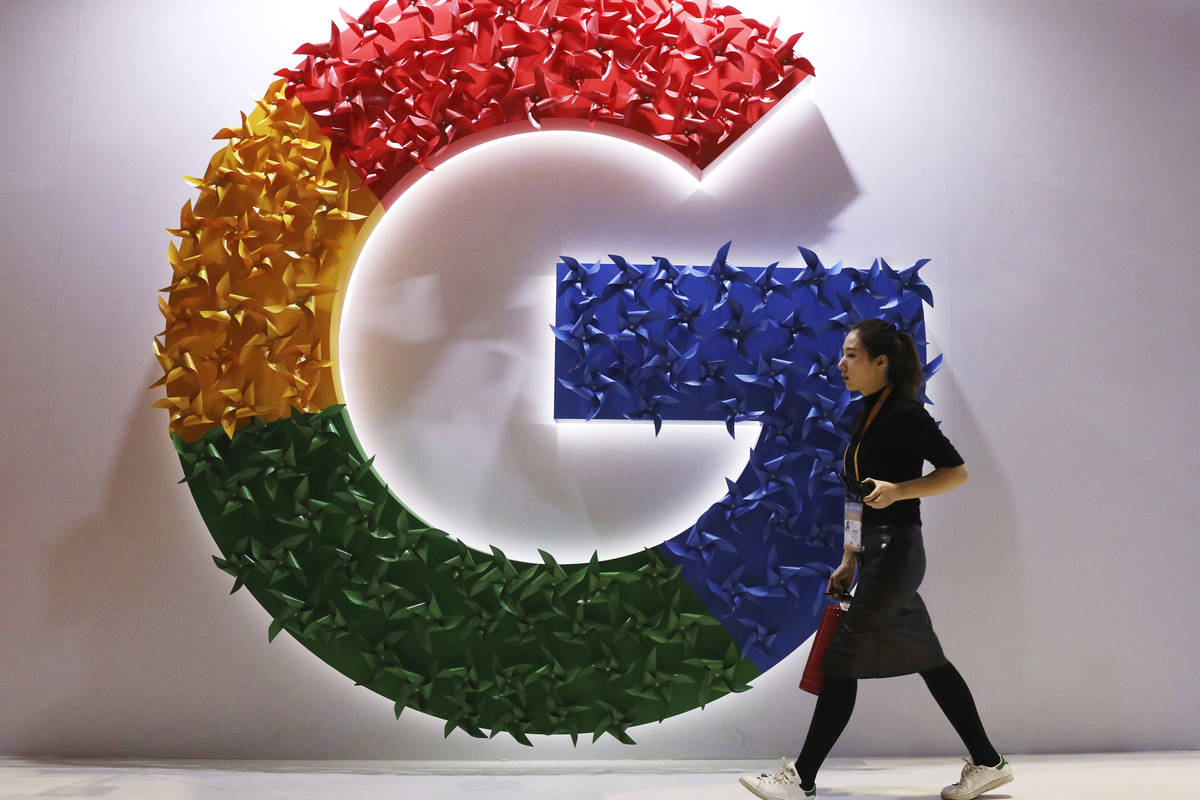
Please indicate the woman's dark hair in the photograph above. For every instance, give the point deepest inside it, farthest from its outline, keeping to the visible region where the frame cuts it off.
(880, 338)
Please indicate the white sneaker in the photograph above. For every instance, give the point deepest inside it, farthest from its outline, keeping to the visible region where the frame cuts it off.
(783, 784)
(976, 780)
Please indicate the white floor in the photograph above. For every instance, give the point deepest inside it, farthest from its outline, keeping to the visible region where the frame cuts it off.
(1128, 776)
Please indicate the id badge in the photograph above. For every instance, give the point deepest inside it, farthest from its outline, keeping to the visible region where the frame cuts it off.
(852, 525)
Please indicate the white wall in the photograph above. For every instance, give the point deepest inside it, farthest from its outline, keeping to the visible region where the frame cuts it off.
(1044, 155)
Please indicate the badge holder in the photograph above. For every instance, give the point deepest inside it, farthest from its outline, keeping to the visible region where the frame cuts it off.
(852, 512)
(856, 489)
(852, 526)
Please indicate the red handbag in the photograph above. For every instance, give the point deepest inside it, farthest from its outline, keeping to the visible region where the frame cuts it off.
(830, 620)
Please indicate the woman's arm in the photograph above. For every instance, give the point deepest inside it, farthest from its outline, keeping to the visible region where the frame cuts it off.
(941, 480)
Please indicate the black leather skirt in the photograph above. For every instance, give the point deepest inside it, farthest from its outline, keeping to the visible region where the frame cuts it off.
(887, 630)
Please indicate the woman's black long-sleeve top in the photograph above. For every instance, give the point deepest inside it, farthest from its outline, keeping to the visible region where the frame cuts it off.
(899, 441)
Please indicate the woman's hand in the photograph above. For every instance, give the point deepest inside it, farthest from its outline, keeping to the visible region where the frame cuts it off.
(884, 494)
(942, 479)
(842, 578)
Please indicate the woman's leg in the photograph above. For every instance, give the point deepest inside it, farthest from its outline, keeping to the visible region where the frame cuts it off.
(954, 697)
(834, 706)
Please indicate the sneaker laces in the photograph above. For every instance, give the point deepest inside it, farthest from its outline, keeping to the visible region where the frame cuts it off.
(971, 771)
(785, 775)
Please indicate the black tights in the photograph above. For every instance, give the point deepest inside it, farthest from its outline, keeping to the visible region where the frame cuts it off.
(836, 702)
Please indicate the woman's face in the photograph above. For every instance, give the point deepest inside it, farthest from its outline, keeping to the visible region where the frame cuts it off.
(859, 371)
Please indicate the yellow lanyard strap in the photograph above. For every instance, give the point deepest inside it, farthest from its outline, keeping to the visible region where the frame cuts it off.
(870, 418)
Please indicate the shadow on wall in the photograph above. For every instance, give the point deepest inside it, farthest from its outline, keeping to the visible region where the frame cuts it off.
(782, 186)
(449, 321)
(974, 559)
(152, 657)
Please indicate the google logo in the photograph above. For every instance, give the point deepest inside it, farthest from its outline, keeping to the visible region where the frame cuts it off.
(300, 516)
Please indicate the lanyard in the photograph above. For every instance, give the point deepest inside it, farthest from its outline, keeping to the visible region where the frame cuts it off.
(870, 418)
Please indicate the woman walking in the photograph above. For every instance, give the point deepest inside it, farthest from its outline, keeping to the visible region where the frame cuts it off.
(887, 630)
